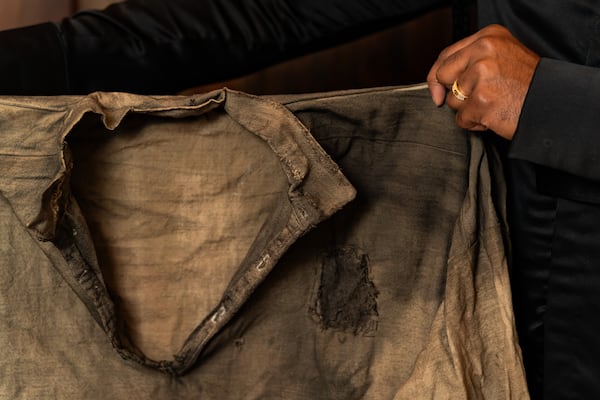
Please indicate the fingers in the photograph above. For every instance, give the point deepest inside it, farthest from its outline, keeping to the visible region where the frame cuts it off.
(456, 58)
(468, 111)
(466, 118)
(450, 61)
(493, 71)
(460, 92)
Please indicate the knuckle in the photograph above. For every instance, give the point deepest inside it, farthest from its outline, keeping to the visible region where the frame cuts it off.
(441, 77)
(444, 54)
(482, 100)
(486, 44)
(438, 76)
(484, 121)
(481, 68)
(460, 120)
(495, 29)
(487, 119)
(447, 57)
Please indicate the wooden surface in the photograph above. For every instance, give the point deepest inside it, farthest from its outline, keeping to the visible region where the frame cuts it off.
(16, 13)
(399, 56)
(93, 4)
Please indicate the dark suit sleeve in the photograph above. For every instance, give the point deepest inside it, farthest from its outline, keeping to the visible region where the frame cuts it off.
(559, 126)
(32, 61)
(158, 46)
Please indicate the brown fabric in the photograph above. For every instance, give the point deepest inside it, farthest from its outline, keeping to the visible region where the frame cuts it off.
(151, 249)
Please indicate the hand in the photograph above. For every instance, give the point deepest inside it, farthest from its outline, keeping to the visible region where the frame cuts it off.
(494, 70)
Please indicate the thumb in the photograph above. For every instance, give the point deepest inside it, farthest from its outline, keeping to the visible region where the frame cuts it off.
(436, 89)
(437, 92)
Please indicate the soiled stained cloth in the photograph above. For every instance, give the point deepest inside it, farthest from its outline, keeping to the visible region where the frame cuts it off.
(223, 246)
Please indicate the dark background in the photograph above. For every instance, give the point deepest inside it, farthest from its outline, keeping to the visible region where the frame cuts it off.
(397, 56)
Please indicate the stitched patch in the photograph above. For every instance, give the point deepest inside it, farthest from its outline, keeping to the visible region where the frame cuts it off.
(347, 298)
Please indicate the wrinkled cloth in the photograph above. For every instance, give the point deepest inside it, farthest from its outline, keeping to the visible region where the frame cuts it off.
(347, 245)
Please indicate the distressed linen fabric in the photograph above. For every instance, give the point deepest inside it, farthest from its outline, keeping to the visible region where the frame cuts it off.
(346, 245)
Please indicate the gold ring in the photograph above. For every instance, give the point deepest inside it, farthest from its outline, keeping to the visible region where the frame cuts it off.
(459, 94)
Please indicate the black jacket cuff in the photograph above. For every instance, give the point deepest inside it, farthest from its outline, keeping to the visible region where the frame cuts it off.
(560, 120)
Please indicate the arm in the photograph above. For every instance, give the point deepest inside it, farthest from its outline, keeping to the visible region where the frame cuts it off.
(560, 121)
(548, 108)
(157, 46)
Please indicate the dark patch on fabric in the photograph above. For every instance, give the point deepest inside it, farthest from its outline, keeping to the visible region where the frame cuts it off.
(346, 298)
